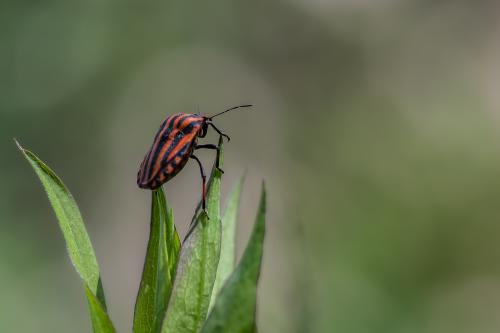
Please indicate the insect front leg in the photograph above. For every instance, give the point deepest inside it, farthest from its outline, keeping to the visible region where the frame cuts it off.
(214, 147)
(204, 179)
(219, 131)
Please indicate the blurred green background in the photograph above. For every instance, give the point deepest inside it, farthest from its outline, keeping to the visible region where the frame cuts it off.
(376, 127)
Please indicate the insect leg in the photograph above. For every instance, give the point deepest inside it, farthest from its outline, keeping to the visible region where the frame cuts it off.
(214, 147)
(219, 131)
(207, 146)
(204, 179)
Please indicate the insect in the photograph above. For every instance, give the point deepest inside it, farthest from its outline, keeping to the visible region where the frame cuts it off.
(174, 144)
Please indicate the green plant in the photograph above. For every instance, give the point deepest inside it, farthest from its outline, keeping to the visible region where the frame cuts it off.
(193, 287)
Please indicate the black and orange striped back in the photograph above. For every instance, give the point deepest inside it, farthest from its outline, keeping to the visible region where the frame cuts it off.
(170, 151)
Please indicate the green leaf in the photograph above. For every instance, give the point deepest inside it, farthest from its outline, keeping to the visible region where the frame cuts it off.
(70, 220)
(228, 249)
(159, 267)
(77, 240)
(188, 306)
(235, 307)
(100, 320)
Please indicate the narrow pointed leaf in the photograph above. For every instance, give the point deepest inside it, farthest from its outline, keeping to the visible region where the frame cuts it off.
(188, 305)
(228, 242)
(77, 240)
(70, 220)
(100, 320)
(235, 306)
(159, 267)
(173, 246)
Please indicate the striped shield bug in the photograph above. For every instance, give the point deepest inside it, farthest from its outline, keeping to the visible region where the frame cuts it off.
(174, 144)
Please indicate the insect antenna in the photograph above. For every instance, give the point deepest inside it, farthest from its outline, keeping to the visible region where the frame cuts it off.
(233, 108)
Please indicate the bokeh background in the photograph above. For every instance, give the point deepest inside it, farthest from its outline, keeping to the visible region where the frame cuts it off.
(376, 127)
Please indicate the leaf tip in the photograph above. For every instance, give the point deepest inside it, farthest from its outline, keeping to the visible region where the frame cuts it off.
(18, 145)
(244, 175)
(263, 198)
